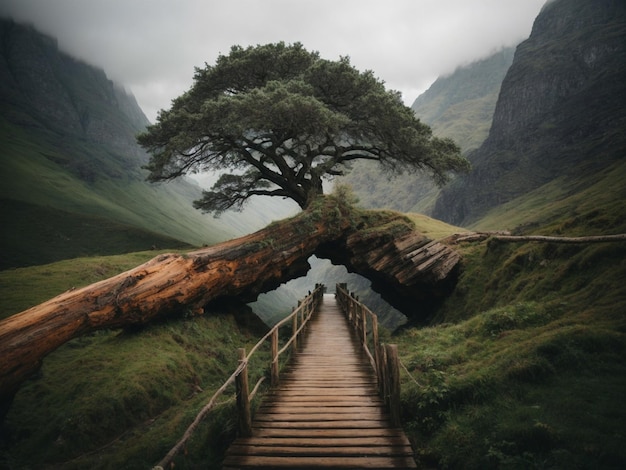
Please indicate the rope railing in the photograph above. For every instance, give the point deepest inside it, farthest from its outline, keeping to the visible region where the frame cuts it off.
(298, 318)
(383, 357)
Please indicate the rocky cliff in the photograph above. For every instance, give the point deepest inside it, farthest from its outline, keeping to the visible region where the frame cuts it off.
(459, 106)
(560, 109)
(71, 182)
(41, 86)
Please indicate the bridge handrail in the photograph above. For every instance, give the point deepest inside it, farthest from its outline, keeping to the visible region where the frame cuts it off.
(298, 317)
(384, 358)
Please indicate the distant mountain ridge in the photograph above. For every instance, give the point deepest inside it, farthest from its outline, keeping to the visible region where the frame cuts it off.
(560, 109)
(459, 106)
(69, 155)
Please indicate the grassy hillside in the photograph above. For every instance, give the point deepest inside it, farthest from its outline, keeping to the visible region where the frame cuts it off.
(122, 399)
(71, 182)
(571, 204)
(119, 398)
(525, 366)
(43, 194)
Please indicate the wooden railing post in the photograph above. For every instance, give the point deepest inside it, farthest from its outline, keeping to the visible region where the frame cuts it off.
(243, 397)
(393, 379)
(294, 331)
(363, 325)
(274, 366)
(384, 383)
(377, 358)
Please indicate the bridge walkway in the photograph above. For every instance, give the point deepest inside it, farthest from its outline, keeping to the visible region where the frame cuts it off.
(326, 411)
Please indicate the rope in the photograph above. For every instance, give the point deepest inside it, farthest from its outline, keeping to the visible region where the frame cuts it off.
(409, 374)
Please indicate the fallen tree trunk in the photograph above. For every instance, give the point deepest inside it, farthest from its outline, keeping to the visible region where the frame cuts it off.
(242, 268)
(168, 283)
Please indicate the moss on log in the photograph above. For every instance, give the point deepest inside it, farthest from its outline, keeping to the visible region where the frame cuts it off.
(379, 245)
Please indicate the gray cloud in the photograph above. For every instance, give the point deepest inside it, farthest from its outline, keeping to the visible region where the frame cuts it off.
(152, 46)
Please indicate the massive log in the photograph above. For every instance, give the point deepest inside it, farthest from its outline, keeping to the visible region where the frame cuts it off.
(380, 245)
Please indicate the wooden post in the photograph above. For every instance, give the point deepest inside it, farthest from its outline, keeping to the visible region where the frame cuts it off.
(274, 368)
(243, 398)
(294, 329)
(376, 346)
(384, 385)
(363, 324)
(349, 308)
(393, 369)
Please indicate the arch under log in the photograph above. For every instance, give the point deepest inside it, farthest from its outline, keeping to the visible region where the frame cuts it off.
(404, 266)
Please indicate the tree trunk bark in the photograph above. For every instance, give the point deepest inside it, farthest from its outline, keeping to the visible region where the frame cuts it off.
(174, 283)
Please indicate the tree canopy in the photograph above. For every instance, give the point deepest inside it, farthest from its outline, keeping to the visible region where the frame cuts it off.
(277, 120)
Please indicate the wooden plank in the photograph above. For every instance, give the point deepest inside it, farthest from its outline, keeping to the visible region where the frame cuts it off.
(339, 424)
(327, 451)
(368, 416)
(318, 462)
(336, 400)
(393, 440)
(316, 408)
(325, 433)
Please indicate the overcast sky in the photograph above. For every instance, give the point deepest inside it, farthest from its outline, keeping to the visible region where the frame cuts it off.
(152, 46)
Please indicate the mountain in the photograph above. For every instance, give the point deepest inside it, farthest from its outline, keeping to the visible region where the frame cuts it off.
(459, 106)
(72, 182)
(560, 111)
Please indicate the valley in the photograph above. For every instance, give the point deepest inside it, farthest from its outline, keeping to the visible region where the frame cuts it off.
(521, 365)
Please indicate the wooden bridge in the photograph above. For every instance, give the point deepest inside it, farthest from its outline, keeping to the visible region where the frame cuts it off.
(326, 412)
(335, 404)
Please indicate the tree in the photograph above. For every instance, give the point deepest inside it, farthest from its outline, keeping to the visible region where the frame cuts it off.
(277, 120)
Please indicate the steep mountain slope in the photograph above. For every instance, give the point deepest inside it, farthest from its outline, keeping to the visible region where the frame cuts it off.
(68, 150)
(560, 110)
(459, 106)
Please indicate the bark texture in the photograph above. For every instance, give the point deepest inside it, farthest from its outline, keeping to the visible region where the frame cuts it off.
(382, 246)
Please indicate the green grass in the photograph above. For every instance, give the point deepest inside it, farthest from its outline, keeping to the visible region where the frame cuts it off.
(57, 184)
(118, 399)
(35, 235)
(433, 228)
(568, 205)
(526, 386)
(525, 365)
(22, 288)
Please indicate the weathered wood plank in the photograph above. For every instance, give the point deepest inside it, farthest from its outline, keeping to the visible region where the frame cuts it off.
(331, 449)
(326, 433)
(339, 424)
(303, 419)
(399, 440)
(318, 462)
(314, 408)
